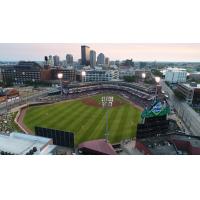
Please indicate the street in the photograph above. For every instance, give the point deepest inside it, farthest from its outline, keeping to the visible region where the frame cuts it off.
(189, 119)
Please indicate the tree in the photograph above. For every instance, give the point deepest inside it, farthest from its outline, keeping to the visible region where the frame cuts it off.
(156, 72)
(8, 82)
(129, 78)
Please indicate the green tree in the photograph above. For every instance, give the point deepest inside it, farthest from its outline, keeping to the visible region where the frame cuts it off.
(129, 78)
(156, 72)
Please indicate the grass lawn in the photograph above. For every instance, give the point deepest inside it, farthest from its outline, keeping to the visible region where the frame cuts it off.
(87, 122)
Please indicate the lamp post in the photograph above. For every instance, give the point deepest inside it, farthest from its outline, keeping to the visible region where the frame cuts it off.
(157, 79)
(60, 76)
(107, 103)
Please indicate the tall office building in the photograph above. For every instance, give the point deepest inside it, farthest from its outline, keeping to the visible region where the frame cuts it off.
(51, 63)
(69, 59)
(85, 55)
(92, 58)
(101, 59)
(107, 61)
(56, 60)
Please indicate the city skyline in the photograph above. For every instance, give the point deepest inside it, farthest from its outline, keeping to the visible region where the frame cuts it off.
(137, 52)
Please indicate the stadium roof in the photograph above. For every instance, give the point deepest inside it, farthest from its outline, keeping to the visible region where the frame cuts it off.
(99, 146)
(157, 109)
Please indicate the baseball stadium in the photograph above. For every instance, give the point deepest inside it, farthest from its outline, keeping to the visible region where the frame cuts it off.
(80, 111)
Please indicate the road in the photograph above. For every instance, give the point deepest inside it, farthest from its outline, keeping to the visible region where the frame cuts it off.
(186, 114)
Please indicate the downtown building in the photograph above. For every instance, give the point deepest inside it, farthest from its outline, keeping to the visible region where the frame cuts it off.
(92, 58)
(69, 74)
(107, 61)
(100, 75)
(85, 55)
(50, 61)
(101, 59)
(22, 73)
(56, 60)
(26, 72)
(69, 60)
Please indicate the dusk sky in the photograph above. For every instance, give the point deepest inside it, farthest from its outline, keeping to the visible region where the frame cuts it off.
(118, 51)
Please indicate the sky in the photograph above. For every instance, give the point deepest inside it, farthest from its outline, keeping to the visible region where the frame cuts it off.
(118, 51)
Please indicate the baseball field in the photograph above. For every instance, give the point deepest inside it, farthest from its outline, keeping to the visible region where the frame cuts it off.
(86, 118)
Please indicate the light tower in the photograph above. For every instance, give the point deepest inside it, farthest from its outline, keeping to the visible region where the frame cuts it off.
(143, 77)
(157, 79)
(60, 76)
(107, 103)
(83, 75)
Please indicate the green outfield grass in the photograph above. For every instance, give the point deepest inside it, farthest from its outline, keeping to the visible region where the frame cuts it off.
(87, 122)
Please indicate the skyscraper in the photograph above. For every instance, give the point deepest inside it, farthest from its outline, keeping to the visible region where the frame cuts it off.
(51, 63)
(101, 59)
(56, 60)
(92, 58)
(85, 55)
(69, 59)
(107, 61)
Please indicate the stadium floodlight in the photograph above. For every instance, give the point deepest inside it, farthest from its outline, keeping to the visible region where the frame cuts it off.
(83, 74)
(143, 75)
(107, 102)
(157, 79)
(60, 76)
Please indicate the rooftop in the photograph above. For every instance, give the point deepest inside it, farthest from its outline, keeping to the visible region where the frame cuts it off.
(167, 145)
(175, 69)
(191, 86)
(99, 146)
(20, 144)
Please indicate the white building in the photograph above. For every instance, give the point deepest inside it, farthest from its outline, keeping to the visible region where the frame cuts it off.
(24, 144)
(101, 59)
(92, 58)
(100, 75)
(175, 75)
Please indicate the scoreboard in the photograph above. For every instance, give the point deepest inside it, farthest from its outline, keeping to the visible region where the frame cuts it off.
(61, 138)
